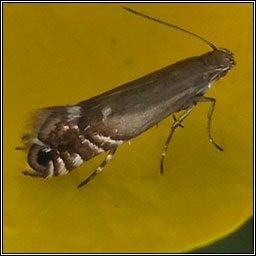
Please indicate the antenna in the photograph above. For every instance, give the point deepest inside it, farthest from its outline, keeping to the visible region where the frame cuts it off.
(171, 25)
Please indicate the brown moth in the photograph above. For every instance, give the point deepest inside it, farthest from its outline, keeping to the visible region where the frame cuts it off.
(64, 137)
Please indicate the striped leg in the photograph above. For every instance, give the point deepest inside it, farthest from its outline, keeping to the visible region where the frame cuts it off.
(213, 101)
(174, 126)
(99, 169)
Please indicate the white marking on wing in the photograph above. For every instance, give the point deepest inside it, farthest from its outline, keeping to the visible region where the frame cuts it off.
(77, 161)
(50, 169)
(90, 144)
(62, 167)
(108, 139)
(38, 142)
(87, 127)
(66, 127)
(74, 112)
(46, 150)
(106, 111)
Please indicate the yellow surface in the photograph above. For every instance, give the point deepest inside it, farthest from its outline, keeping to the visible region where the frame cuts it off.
(57, 54)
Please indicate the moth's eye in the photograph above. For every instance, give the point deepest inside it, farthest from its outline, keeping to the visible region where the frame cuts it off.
(44, 157)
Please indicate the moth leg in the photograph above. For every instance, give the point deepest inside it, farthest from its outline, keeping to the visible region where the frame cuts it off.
(174, 126)
(210, 113)
(21, 148)
(175, 119)
(34, 174)
(99, 169)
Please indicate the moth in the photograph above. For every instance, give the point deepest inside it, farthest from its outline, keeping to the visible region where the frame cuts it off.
(64, 137)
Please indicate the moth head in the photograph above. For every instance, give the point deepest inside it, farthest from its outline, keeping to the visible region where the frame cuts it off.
(221, 60)
(226, 58)
(218, 63)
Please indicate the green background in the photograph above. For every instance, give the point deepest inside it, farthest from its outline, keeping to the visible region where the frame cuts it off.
(241, 241)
